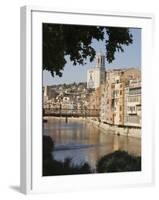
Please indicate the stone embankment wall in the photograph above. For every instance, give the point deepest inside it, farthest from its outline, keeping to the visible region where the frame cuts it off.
(124, 130)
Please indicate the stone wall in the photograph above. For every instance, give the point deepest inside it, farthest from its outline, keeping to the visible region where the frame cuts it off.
(124, 130)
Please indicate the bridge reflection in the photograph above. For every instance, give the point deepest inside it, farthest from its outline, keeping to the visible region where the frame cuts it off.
(71, 112)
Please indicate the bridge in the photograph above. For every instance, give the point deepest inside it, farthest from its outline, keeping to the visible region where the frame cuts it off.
(57, 112)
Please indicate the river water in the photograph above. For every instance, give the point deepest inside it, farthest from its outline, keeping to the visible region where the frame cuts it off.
(83, 142)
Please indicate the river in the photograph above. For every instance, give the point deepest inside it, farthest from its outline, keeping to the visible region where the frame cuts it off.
(83, 142)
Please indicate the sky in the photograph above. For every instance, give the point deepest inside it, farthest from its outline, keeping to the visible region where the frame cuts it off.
(131, 57)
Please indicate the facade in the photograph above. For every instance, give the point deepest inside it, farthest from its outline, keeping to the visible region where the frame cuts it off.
(133, 104)
(118, 100)
(96, 76)
(103, 103)
(112, 110)
(95, 101)
(112, 98)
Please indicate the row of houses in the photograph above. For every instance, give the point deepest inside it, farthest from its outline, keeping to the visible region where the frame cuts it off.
(66, 98)
(118, 98)
(115, 94)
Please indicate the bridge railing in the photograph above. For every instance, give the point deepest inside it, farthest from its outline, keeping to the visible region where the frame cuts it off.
(71, 112)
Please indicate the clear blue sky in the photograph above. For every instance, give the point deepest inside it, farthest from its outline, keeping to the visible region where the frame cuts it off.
(131, 57)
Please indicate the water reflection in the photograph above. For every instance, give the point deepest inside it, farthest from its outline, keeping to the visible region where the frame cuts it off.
(83, 142)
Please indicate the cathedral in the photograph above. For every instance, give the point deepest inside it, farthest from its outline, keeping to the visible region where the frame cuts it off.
(96, 75)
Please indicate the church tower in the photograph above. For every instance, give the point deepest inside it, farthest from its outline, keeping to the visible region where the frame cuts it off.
(96, 76)
(100, 61)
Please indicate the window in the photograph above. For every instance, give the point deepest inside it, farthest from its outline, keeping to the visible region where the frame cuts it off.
(112, 86)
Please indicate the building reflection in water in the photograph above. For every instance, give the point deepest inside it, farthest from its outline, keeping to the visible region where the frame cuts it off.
(82, 142)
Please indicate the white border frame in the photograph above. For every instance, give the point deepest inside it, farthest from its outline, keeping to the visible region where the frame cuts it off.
(31, 140)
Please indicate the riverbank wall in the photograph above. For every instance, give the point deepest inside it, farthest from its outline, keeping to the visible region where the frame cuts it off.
(114, 129)
(117, 130)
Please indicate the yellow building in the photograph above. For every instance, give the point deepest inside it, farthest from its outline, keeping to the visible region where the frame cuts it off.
(95, 101)
(113, 94)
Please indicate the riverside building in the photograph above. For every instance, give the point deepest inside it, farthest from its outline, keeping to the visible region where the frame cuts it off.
(133, 104)
(112, 107)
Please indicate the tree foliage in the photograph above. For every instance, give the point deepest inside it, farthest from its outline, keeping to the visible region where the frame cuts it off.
(119, 161)
(75, 41)
(53, 167)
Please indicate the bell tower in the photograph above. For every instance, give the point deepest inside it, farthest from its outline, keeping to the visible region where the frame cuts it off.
(100, 61)
(96, 75)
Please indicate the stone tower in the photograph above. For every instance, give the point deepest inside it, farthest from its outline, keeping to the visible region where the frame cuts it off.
(100, 61)
(96, 75)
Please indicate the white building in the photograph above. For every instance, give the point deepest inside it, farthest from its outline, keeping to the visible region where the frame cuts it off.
(96, 76)
(46, 93)
(133, 104)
